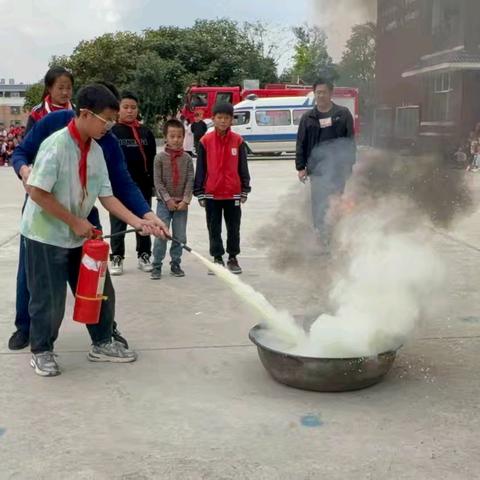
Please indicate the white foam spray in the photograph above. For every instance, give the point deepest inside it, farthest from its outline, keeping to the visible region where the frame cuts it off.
(280, 322)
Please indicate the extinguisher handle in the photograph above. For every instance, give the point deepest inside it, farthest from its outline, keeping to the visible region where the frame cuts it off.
(97, 233)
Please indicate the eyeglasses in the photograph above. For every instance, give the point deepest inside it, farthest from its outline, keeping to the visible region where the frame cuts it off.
(108, 123)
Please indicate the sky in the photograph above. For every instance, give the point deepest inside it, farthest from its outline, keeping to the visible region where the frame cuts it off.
(34, 30)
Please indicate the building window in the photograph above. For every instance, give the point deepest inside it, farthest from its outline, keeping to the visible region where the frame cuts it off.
(15, 110)
(383, 122)
(15, 94)
(407, 122)
(439, 97)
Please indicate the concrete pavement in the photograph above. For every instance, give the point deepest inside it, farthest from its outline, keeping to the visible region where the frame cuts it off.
(198, 404)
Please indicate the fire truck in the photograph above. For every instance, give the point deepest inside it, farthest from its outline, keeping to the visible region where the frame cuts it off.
(203, 99)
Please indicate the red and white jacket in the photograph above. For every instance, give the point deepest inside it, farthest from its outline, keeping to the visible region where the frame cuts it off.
(222, 167)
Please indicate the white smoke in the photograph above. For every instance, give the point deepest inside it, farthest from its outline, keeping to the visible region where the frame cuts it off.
(392, 279)
(338, 17)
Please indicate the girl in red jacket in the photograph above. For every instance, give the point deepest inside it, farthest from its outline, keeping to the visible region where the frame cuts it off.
(56, 96)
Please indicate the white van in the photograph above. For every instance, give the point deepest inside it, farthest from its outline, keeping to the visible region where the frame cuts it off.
(270, 125)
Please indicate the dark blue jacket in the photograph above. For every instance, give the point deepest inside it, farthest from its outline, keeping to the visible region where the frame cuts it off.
(123, 186)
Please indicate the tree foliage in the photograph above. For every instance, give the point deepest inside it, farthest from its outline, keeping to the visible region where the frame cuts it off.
(33, 96)
(159, 64)
(311, 58)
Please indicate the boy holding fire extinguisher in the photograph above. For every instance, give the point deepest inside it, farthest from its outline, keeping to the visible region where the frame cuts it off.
(68, 176)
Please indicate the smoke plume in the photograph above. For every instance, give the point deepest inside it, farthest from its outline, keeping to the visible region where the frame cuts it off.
(382, 275)
(338, 17)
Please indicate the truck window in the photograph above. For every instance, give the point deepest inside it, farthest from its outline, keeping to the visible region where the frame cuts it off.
(273, 118)
(199, 100)
(224, 97)
(298, 114)
(241, 118)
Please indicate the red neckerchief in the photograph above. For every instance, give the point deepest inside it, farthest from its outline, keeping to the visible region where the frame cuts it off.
(84, 149)
(52, 107)
(174, 156)
(135, 125)
(47, 107)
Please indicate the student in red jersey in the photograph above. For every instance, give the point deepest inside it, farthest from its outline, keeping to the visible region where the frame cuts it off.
(56, 96)
(222, 184)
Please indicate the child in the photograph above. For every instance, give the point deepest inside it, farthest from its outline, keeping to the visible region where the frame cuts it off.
(57, 95)
(139, 147)
(222, 183)
(173, 178)
(68, 176)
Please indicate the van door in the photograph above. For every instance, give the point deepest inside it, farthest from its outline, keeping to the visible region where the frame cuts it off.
(273, 131)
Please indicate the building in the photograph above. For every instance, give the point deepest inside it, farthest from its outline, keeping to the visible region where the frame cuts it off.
(427, 72)
(12, 99)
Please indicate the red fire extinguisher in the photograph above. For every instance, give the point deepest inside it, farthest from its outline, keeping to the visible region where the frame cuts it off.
(91, 280)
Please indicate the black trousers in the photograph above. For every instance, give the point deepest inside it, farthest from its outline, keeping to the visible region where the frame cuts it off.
(117, 244)
(49, 269)
(232, 212)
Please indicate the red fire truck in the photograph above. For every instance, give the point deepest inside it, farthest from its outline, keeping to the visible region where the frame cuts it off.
(203, 99)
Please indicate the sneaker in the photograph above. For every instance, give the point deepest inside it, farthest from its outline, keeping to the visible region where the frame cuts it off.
(233, 266)
(144, 263)
(45, 364)
(176, 271)
(116, 265)
(18, 341)
(111, 352)
(156, 274)
(117, 336)
(217, 261)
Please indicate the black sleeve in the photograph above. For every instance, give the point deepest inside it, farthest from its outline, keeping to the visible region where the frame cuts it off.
(300, 160)
(150, 152)
(201, 172)
(243, 169)
(30, 124)
(204, 129)
(349, 125)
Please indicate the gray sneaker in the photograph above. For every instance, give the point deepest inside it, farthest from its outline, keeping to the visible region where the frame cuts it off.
(45, 364)
(111, 352)
(116, 265)
(144, 263)
(156, 274)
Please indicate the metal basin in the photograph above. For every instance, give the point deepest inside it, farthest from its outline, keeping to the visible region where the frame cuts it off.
(322, 374)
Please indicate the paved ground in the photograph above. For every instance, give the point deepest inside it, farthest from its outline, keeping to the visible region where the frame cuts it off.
(198, 404)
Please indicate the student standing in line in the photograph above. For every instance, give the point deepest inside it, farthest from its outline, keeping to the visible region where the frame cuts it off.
(139, 147)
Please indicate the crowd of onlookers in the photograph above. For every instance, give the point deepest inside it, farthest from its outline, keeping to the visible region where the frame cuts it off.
(9, 139)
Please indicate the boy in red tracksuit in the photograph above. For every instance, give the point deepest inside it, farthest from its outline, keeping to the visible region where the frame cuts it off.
(222, 184)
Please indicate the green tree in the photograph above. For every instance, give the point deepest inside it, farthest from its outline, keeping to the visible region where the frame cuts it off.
(157, 82)
(311, 59)
(357, 69)
(33, 96)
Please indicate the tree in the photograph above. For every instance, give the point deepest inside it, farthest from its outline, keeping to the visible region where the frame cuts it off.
(157, 82)
(311, 58)
(33, 96)
(159, 64)
(357, 69)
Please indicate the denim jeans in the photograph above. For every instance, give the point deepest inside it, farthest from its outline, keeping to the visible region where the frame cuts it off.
(48, 270)
(178, 222)
(22, 299)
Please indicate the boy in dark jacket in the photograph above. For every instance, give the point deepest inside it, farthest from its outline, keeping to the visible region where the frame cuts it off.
(222, 184)
(139, 147)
